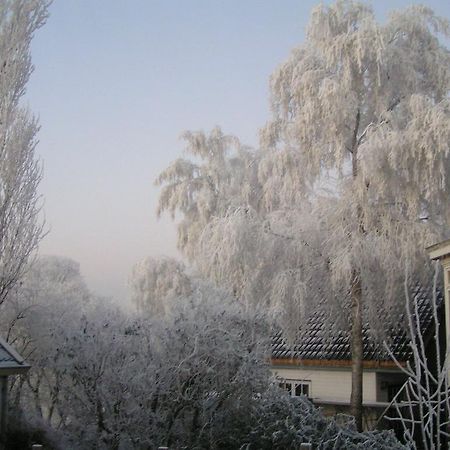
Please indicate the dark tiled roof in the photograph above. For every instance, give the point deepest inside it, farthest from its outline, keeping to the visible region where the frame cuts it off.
(313, 344)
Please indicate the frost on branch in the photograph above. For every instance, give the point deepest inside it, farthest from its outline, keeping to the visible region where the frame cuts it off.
(351, 178)
(196, 378)
(222, 179)
(37, 320)
(422, 406)
(350, 184)
(364, 108)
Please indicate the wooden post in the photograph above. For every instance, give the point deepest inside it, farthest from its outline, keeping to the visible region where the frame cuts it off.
(3, 410)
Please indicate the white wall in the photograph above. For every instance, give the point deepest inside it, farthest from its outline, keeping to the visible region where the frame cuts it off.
(330, 384)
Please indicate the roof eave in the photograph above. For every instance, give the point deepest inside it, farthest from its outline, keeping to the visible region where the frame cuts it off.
(439, 250)
(335, 363)
(14, 370)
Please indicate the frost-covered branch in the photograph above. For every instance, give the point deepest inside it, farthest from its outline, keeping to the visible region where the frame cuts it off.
(422, 405)
(20, 172)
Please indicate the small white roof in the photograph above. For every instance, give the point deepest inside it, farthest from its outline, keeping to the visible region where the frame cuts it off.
(439, 250)
(11, 363)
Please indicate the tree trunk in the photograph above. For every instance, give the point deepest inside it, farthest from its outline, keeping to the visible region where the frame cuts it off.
(356, 397)
(357, 351)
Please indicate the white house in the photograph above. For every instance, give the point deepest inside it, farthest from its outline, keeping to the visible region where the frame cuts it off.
(321, 368)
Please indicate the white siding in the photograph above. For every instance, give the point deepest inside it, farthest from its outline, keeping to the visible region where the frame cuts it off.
(330, 384)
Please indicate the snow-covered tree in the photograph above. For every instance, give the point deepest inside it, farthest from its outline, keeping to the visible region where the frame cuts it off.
(20, 172)
(352, 179)
(197, 376)
(367, 104)
(220, 179)
(36, 319)
(155, 282)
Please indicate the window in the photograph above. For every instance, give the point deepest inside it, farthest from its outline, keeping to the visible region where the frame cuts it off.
(297, 387)
(302, 389)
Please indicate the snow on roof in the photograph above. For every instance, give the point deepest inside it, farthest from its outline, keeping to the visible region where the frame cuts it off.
(313, 345)
(10, 361)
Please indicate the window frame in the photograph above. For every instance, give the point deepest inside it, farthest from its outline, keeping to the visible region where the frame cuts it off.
(293, 386)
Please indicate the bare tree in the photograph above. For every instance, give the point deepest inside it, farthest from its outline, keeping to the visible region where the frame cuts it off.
(20, 172)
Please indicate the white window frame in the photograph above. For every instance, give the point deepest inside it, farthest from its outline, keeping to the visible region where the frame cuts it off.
(294, 384)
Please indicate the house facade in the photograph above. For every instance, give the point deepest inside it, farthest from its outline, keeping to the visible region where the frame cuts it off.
(329, 385)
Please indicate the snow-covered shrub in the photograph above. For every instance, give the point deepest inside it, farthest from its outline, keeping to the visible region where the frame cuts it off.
(280, 421)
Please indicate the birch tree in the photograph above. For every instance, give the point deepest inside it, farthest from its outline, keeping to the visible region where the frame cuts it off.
(20, 172)
(368, 103)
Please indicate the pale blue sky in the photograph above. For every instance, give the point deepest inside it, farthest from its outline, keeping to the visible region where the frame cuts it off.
(117, 81)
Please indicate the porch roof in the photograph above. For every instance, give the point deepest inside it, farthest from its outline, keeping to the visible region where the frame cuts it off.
(11, 363)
